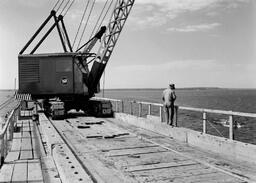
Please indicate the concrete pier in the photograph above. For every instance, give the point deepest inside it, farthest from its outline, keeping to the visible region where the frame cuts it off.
(125, 148)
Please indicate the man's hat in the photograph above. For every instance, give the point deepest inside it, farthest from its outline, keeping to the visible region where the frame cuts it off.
(172, 85)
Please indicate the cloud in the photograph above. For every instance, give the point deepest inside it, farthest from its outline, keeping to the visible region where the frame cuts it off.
(194, 28)
(182, 72)
(168, 66)
(152, 13)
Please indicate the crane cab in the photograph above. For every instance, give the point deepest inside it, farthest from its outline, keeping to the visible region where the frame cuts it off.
(51, 75)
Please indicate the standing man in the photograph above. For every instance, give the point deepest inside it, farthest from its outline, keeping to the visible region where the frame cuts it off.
(168, 98)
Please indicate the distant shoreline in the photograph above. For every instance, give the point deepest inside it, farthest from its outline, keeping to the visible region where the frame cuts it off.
(186, 88)
(189, 88)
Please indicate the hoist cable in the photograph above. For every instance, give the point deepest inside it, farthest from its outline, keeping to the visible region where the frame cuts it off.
(103, 83)
(60, 5)
(98, 19)
(105, 14)
(68, 8)
(86, 23)
(80, 23)
(55, 4)
(64, 36)
(64, 7)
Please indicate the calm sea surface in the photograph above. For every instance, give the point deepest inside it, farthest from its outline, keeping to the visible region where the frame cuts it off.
(4, 96)
(240, 100)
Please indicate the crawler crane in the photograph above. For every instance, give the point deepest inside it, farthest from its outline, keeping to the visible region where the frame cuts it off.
(63, 81)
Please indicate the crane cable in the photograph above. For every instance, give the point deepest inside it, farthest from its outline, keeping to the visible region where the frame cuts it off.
(105, 14)
(64, 7)
(91, 37)
(68, 8)
(98, 19)
(55, 4)
(103, 83)
(86, 23)
(60, 5)
(81, 21)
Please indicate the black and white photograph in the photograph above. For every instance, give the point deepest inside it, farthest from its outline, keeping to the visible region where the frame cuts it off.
(127, 91)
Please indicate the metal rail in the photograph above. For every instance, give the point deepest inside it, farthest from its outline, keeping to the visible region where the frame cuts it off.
(6, 133)
(204, 112)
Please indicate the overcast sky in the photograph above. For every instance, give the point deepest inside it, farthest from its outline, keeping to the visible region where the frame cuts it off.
(192, 43)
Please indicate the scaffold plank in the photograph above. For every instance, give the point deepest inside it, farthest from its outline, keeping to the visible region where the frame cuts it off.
(6, 173)
(34, 172)
(20, 172)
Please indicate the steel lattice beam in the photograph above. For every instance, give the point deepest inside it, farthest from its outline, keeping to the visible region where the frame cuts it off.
(118, 18)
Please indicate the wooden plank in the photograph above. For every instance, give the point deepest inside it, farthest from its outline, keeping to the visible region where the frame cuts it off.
(166, 173)
(31, 125)
(20, 172)
(12, 156)
(160, 166)
(25, 129)
(119, 143)
(26, 144)
(6, 173)
(147, 159)
(19, 122)
(171, 173)
(104, 171)
(26, 155)
(97, 130)
(34, 172)
(16, 144)
(36, 148)
(25, 122)
(142, 150)
(26, 134)
(17, 135)
(207, 177)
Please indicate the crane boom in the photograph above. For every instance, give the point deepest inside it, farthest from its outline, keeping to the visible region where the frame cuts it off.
(71, 83)
(118, 18)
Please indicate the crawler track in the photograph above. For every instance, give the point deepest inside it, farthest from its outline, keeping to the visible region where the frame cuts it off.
(111, 152)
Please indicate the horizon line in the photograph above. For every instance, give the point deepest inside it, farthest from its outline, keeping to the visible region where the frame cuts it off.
(154, 88)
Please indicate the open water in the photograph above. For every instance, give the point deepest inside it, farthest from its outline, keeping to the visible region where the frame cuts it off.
(239, 100)
(4, 96)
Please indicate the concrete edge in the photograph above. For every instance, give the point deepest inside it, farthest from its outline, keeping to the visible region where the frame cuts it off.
(233, 149)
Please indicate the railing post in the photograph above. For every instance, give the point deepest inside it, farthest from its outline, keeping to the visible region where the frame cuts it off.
(231, 137)
(161, 113)
(204, 122)
(6, 145)
(122, 106)
(149, 109)
(116, 106)
(176, 115)
(140, 109)
(131, 111)
(1, 148)
(11, 127)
